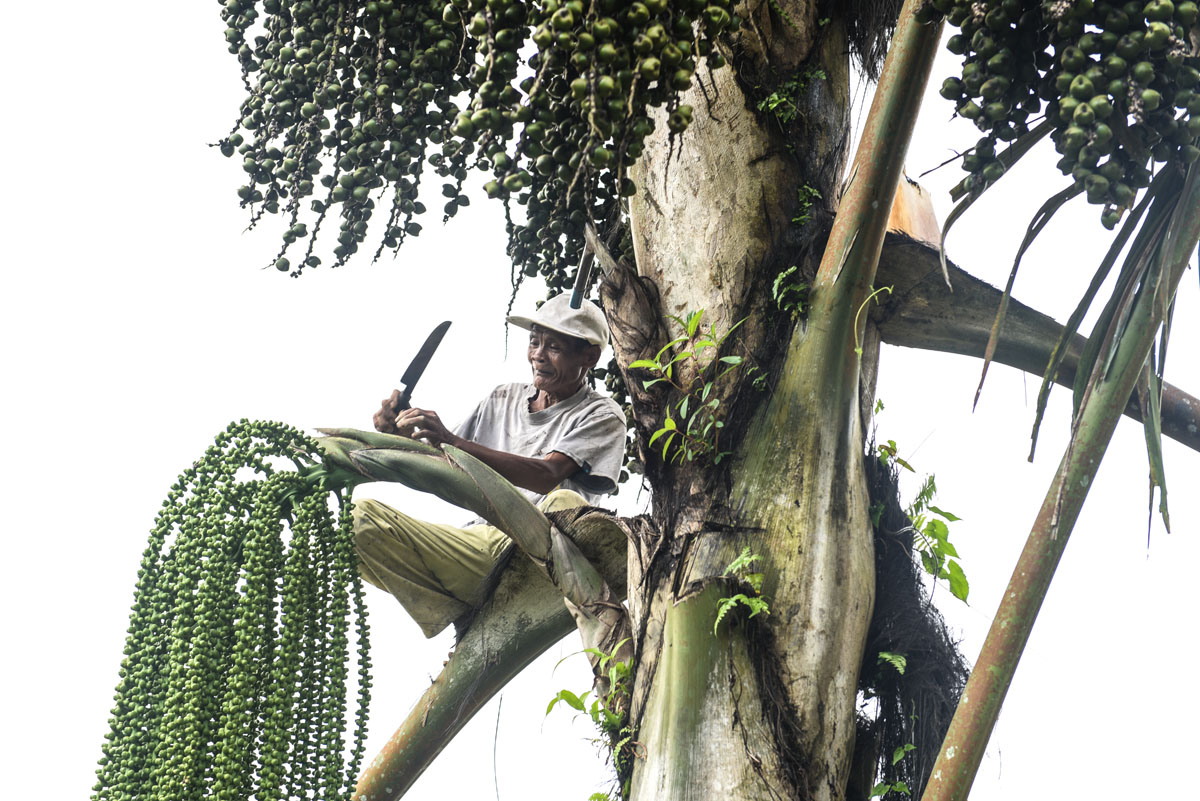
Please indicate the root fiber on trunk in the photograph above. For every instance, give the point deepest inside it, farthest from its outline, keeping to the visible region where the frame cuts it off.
(914, 707)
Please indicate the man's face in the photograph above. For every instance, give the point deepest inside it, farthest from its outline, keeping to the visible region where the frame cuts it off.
(558, 362)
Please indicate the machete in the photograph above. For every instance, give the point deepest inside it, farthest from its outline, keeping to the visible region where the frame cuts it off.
(420, 361)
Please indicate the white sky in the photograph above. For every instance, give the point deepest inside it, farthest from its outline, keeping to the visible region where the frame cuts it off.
(137, 323)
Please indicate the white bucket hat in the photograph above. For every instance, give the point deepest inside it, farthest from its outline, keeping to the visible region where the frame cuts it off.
(587, 322)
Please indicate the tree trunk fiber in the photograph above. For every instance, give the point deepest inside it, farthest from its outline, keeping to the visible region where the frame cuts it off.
(763, 707)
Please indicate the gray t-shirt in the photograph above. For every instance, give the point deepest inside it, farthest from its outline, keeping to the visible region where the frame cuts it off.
(587, 427)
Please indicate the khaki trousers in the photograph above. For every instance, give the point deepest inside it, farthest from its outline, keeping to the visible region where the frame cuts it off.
(435, 571)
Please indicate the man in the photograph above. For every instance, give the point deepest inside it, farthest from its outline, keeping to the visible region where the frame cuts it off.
(557, 439)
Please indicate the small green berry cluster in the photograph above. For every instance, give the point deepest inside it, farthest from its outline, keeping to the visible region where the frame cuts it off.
(359, 98)
(347, 96)
(584, 113)
(1118, 81)
(610, 374)
(234, 679)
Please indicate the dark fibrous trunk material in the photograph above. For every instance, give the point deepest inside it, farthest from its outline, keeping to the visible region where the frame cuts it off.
(869, 27)
(914, 707)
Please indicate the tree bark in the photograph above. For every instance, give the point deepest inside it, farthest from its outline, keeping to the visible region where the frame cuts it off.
(758, 707)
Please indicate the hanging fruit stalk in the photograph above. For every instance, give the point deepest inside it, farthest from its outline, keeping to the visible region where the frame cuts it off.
(463, 480)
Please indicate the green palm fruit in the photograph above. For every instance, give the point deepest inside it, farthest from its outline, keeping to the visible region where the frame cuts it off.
(1073, 59)
(995, 112)
(1089, 156)
(1157, 34)
(1090, 43)
(1130, 46)
(1122, 194)
(1074, 138)
(1096, 186)
(1114, 66)
(1082, 88)
(1116, 20)
(970, 110)
(995, 88)
(993, 171)
(1101, 107)
(1112, 170)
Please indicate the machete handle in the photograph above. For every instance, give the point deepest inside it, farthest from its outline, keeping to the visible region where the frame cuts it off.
(582, 278)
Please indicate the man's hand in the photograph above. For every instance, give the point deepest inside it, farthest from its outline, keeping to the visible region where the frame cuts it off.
(385, 418)
(412, 423)
(425, 424)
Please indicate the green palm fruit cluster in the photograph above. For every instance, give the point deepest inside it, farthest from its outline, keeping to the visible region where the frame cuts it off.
(1118, 83)
(615, 384)
(349, 104)
(344, 101)
(235, 675)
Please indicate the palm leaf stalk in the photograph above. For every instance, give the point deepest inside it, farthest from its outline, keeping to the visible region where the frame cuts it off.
(844, 284)
(922, 313)
(523, 617)
(461, 479)
(1134, 319)
(534, 606)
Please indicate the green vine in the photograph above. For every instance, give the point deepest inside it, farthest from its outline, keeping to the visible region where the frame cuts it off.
(739, 568)
(806, 196)
(608, 717)
(789, 293)
(929, 526)
(781, 103)
(692, 427)
(888, 783)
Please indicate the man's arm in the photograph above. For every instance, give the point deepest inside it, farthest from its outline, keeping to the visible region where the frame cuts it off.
(539, 475)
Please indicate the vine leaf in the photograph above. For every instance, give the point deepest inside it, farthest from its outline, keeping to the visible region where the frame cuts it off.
(897, 661)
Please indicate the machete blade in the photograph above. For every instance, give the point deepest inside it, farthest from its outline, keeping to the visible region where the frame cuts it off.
(417, 366)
